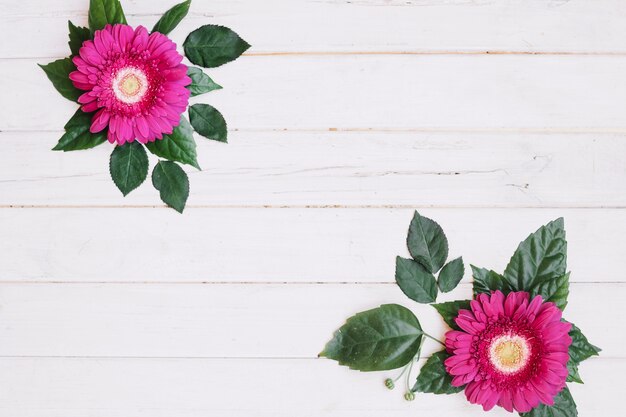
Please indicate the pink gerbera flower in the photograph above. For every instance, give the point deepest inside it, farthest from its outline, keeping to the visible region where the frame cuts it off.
(511, 351)
(134, 80)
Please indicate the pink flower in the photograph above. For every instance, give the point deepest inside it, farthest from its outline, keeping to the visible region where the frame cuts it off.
(134, 80)
(510, 352)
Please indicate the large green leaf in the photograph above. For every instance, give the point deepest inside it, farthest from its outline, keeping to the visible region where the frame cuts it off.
(172, 183)
(486, 281)
(564, 406)
(78, 35)
(415, 281)
(129, 166)
(433, 377)
(200, 82)
(77, 135)
(211, 46)
(554, 289)
(172, 18)
(427, 243)
(451, 274)
(59, 73)
(208, 122)
(179, 146)
(450, 310)
(579, 351)
(103, 12)
(541, 257)
(387, 337)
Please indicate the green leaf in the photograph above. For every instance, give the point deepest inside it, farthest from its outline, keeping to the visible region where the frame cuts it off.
(179, 146)
(172, 18)
(450, 310)
(103, 12)
(78, 35)
(211, 46)
(387, 337)
(486, 281)
(129, 166)
(415, 282)
(555, 289)
(564, 406)
(572, 373)
(451, 274)
(200, 82)
(427, 243)
(172, 183)
(541, 257)
(59, 73)
(77, 135)
(579, 351)
(208, 122)
(433, 377)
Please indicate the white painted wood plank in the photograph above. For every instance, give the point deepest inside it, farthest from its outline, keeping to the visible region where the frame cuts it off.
(341, 168)
(280, 245)
(242, 320)
(33, 387)
(288, 26)
(377, 92)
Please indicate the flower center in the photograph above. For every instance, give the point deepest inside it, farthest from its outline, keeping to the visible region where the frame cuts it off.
(130, 85)
(509, 353)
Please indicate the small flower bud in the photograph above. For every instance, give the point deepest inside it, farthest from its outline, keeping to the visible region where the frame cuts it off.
(389, 383)
(409, 396)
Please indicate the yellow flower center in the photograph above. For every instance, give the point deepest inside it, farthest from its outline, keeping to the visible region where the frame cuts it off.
(130, 85)
(509, 353)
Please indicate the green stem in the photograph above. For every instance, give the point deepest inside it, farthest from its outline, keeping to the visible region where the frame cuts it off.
(436, 340)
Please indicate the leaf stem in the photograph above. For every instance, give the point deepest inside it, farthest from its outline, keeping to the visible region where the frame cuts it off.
(435, 339)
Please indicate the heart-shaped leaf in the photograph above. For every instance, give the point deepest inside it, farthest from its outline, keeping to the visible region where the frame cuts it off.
(387, 337)
(180, 146)
(78, 35)
(77, 135)
(172, 183)
(434, 378)
(451, 274)
(129, 166)
(103, 12)
(200, 82)
(59, 73)
(415, 281)
(208, 122)
(172, 18)
(427, 243)
(211, 46)
(450, 310)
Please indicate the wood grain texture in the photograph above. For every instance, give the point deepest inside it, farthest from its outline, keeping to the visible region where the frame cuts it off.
(440, 92)
(78, 387)
(341, 168)
(364, 26)
(280, 245)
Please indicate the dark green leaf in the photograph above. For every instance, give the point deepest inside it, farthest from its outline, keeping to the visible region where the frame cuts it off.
(200, 82)
(387, 337)
(129, 166)
(450, 310)
(427, 243)
(77, 135)
(211, 46)
(415, 281)
(103, 12)
(208, 122)
(172, 18)
(555, 289)
(59, 73)
(572, 373)
(172, 183)
(542, 256)
(486, 281)
(78, 35)
(179, 146)
(433, 377)
(451, 274)
(579, 350)
(564, 406)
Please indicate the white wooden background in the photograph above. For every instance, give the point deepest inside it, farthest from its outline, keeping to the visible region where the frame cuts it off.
(491, 116)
